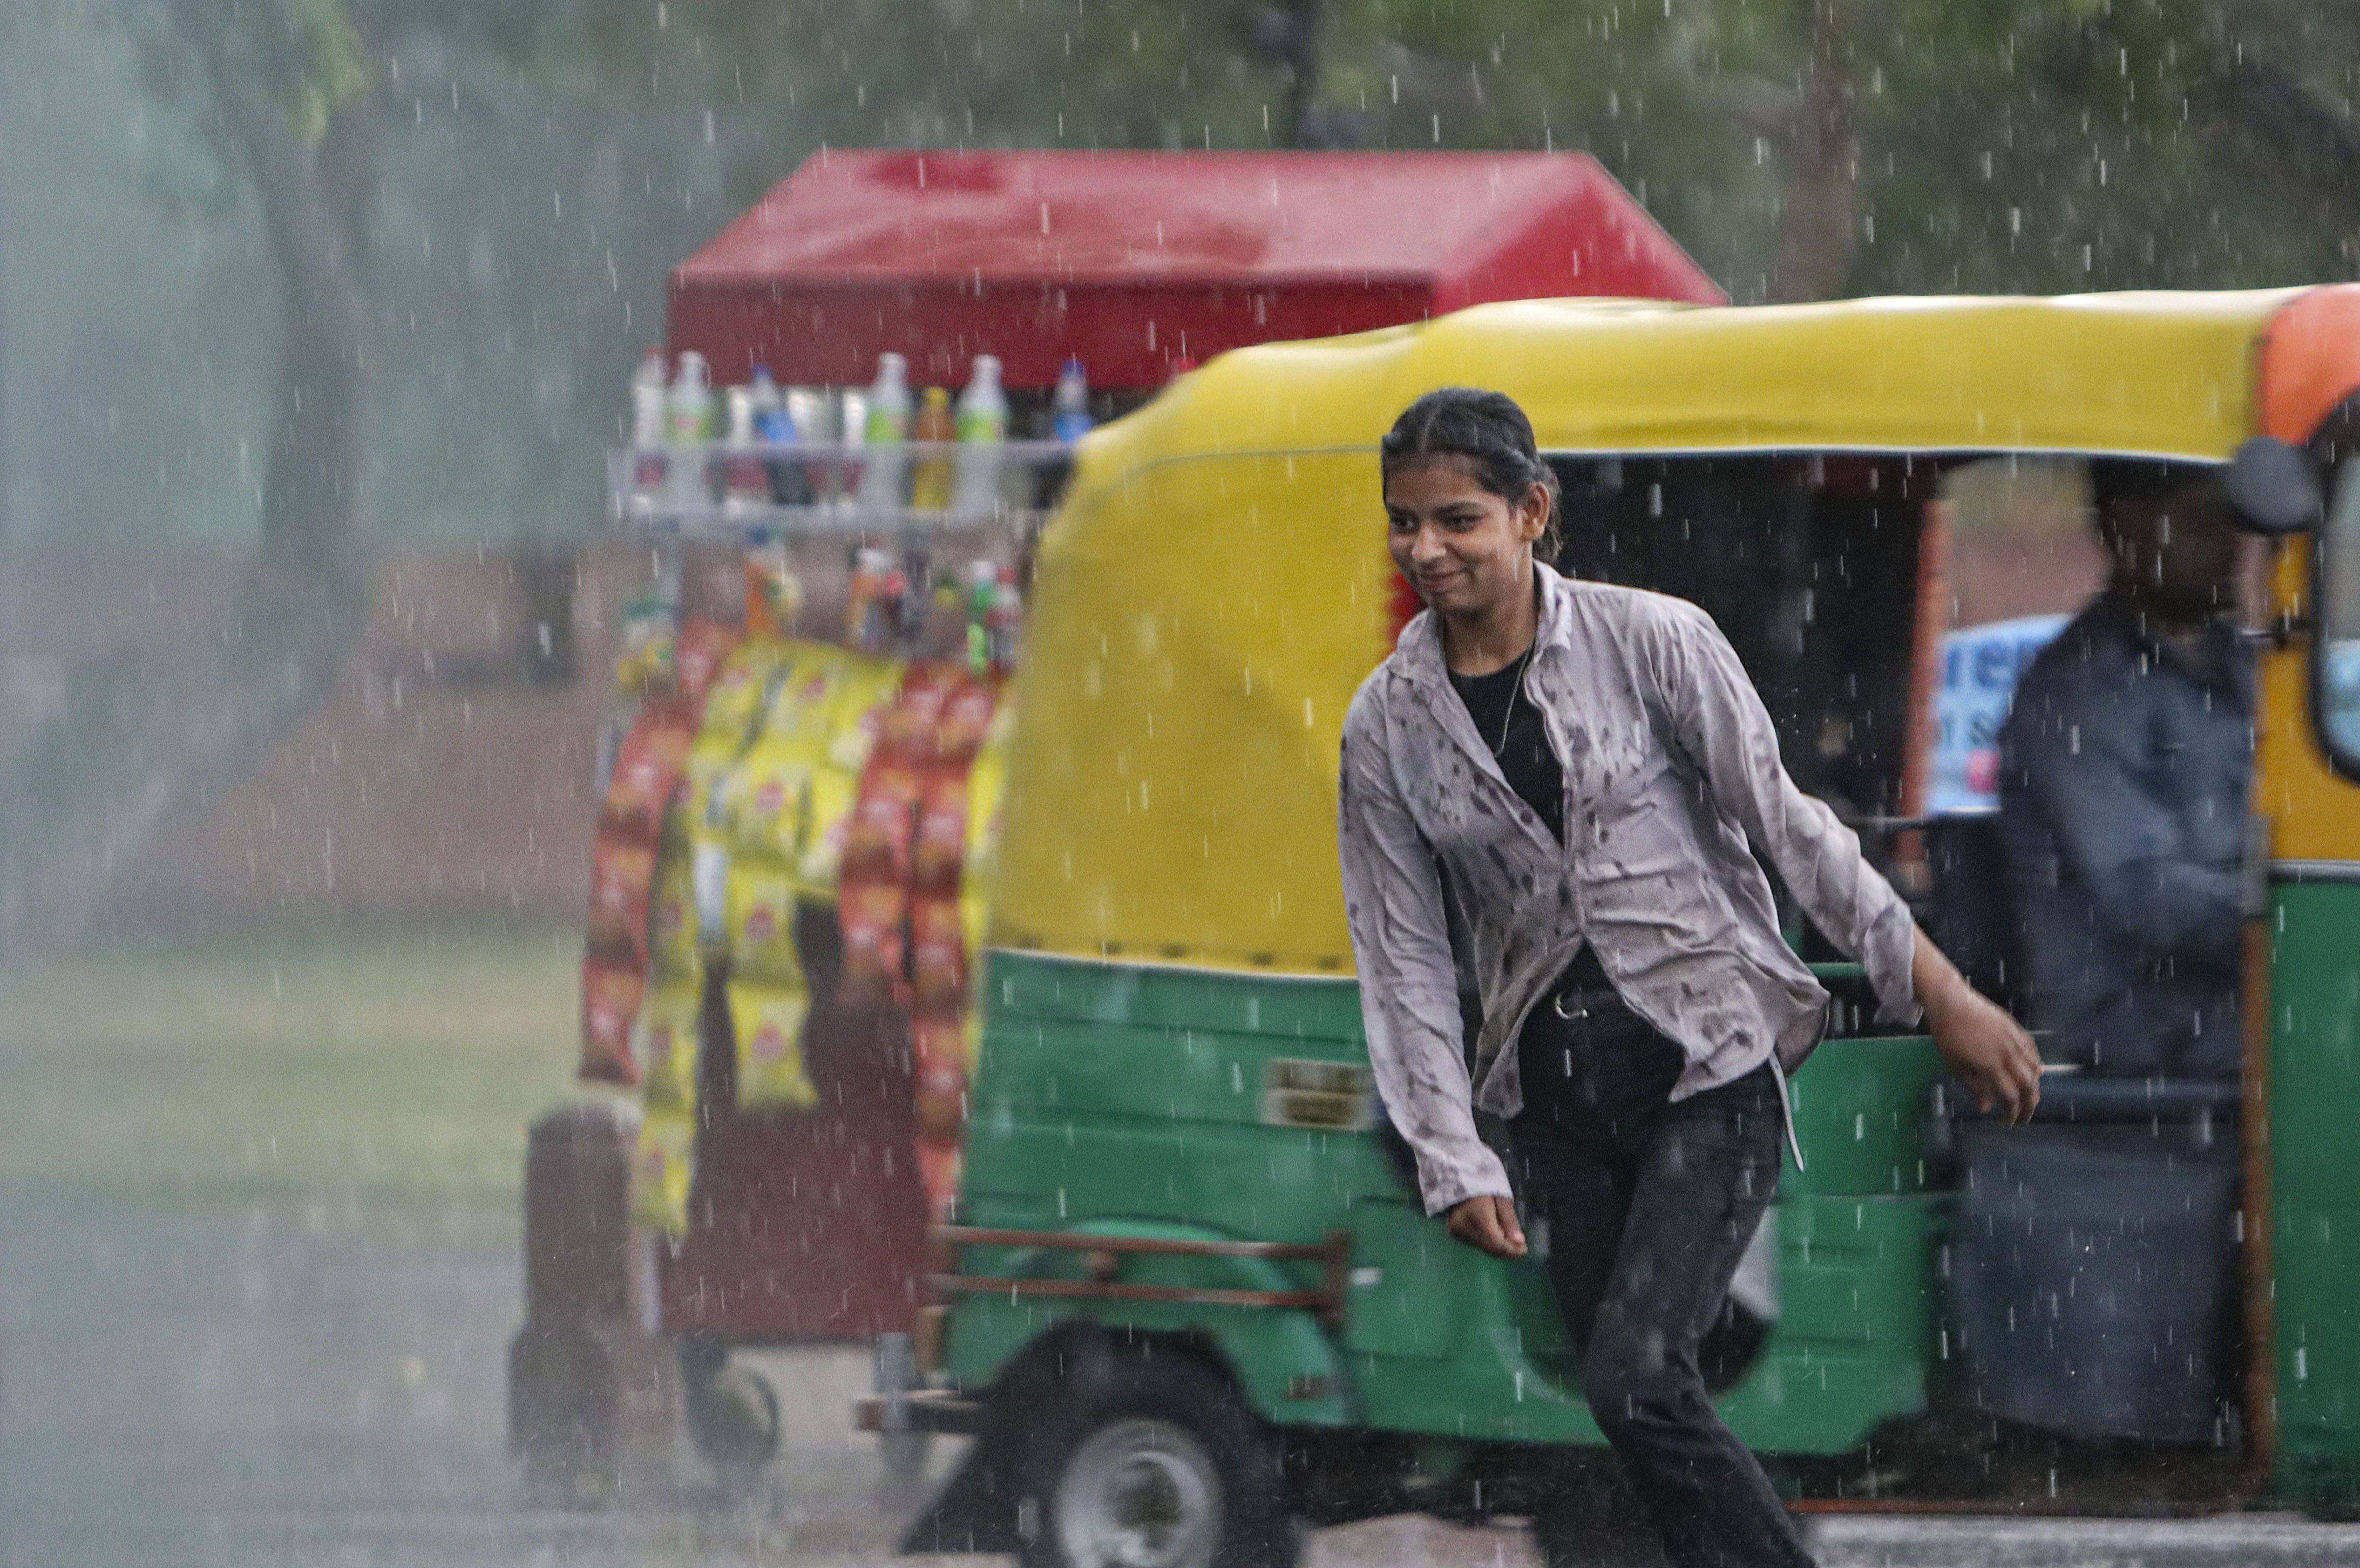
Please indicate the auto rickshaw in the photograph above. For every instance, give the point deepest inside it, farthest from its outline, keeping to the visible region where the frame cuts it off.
(1191, 1294)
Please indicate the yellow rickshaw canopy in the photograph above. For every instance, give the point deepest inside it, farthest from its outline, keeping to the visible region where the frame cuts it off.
(1216, 586)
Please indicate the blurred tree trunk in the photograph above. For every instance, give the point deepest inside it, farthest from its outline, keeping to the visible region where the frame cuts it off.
(314, 202)
(1820, 218)
(2268, 130)
(141, 732)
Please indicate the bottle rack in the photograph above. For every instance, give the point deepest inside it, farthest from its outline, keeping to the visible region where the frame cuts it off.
(831, 470)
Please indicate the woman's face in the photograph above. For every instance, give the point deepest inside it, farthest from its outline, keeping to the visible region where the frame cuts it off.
(1465, 550)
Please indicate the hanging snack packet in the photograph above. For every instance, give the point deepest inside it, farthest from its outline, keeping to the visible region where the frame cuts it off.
(937, 955)
(910, 723)
(762, 921)
(884, 820)
(938, 848)
(803, 711)
(738, 689)
(768, 1022)
(826, 820)
(938, 1048)
(765, 797)
(869, 914)
(704, 644)
(671, 923)
(858, 716)
(965, 719)
(647, 765)
(665, 1041)
(611, 1000)
(662, 1168)
(622, 876)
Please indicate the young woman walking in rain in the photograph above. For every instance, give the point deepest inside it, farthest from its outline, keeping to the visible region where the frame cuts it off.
(1585, 769)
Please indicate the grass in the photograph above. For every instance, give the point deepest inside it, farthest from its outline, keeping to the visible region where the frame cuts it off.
(338, 1071)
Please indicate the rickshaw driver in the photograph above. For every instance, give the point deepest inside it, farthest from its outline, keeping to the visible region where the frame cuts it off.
(2126, 763)
(1585, 766)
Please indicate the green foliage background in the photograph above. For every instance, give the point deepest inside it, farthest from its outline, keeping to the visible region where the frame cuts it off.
(537, 164)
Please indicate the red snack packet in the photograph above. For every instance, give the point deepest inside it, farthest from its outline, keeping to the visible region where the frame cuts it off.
(610, 1001)
(869, 914)
(622, 876)
(966, 716)
(648, 770)
(697, 656)
(942, 1099)
(876, 838)
(939, 846)
(938, 956)
(911, 723)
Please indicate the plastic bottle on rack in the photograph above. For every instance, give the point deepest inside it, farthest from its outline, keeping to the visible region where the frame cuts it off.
(771, 424)
(647, 431)
(982, 593)
(982, 426)
(745, 479)
(775, 426)
(688, 407)
(842, 480)
(1004, 620)
(886, 428)
(930, 485)
(873, 608)
(1069, 405)
(773, 594)
(688, 426)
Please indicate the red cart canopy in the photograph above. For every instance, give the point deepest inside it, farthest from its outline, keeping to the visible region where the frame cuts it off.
(1130, 262)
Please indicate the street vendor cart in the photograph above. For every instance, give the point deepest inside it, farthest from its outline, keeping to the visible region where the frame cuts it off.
(789, 878)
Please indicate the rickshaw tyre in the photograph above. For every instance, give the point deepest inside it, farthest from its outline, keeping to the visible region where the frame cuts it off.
(1150, 1381)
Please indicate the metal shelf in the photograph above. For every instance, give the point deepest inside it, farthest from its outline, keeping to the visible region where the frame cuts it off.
(663, 511)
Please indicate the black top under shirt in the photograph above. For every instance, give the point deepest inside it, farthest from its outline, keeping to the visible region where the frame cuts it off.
(1530, 769)
(1530, 766)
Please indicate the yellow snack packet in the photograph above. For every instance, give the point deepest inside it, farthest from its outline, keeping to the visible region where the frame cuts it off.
(664, 1043)
(672, 916)
(764, 800)
(834, 792)
(760, 916)
(742, 685)
(858, 712)
(802, 710)
(661, 1169)
(768, 1021)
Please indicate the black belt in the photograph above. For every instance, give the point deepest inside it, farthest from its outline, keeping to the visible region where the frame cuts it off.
(1572, 1002)
(1583, 989)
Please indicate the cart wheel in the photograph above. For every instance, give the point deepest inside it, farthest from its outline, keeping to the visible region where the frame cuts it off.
(1149, 1460)
(733, 1413)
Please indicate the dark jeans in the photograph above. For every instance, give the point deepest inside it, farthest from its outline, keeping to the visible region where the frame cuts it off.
(1649, 1206)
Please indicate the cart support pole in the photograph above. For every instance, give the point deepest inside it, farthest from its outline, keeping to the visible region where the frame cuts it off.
(594, 1393)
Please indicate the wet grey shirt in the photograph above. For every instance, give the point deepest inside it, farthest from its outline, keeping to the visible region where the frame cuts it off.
(2125, 767)
(1671, 770)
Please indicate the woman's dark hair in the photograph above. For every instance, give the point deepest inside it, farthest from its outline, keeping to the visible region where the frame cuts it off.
(1488, 431)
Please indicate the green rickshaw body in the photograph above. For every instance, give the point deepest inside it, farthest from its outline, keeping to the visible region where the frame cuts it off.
(1148, 1100)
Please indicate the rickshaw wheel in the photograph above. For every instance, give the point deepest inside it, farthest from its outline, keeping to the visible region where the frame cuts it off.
(1151, 1461)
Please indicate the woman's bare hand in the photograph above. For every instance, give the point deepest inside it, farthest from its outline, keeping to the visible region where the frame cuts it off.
(1488, 1223)
(1986, 1050)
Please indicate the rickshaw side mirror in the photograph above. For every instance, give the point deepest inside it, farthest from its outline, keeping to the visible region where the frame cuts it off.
(2273, 486)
